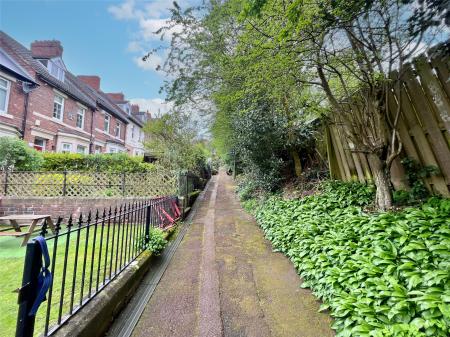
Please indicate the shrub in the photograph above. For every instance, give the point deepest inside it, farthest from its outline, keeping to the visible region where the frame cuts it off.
(118, 162)
(380, 275)
(415, 175)
(157, 242)
(17, 155)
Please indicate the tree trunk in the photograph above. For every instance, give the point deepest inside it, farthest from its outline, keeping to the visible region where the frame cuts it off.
(383, 196)
(297, 163)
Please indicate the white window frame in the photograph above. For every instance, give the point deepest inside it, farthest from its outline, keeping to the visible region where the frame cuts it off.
(8, 91)
(59, 72)
(117, 130)
(132, 132)
(79, 146)
(69, 148)
(44, 142)
(62, 107)
(81, 112)
(107, 120)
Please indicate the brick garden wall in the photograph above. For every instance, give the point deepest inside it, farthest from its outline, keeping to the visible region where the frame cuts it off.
(56, 207)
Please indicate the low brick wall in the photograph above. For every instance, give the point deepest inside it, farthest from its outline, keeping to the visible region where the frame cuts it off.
(56, 207)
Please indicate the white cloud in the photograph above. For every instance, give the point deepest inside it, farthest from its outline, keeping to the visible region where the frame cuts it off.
(149, 18)
(135, 47)
(152, 61)
(156, 106)
(157, 9)
(150, 26)
(124, 11)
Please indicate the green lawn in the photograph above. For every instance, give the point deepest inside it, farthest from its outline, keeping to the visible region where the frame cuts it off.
(12, 258)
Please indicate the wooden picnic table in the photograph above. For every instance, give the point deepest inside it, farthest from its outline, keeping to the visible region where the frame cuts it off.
(35, 221)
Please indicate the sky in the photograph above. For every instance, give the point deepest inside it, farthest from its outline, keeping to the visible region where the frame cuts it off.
(101, 37)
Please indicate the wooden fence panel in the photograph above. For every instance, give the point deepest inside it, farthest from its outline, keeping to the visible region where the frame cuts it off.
(423, 125)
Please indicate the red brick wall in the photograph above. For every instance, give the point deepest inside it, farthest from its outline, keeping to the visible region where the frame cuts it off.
(16, 106)
(92, 81)
(99, 119)
(56, 207)
(41, 102)
(116, 96)
(46, 49)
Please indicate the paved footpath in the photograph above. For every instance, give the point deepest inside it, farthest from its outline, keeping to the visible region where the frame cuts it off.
(224, 280)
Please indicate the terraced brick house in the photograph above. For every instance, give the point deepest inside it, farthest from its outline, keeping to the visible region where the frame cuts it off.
(53, 110)
(134, 139)
(56, 115)
(110, 122)
(15, 85)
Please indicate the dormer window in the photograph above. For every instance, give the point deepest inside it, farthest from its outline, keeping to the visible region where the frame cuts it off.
(55, 67)
(55, 70)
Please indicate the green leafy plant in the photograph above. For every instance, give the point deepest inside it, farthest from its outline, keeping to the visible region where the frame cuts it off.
(157, 241)
(415, 174)
(117, 162)
(381, 274)
(17, 155)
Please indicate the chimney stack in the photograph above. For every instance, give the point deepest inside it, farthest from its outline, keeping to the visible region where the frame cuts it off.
(92, 81)
(134, 108)
(46, 49)
(116, 96)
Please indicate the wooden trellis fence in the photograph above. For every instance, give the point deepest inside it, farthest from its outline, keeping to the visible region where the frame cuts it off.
(424, 125)
(87, 184)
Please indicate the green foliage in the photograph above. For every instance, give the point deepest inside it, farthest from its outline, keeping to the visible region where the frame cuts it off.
(401, 197)
(157, 241)
(173, 140)
(17, 155)
(117, 162)
(259, 111)
(384, 274)
(415, 175)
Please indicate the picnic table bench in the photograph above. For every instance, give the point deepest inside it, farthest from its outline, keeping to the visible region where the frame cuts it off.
(33, 218)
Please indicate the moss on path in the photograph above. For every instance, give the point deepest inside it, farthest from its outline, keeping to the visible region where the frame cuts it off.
(257, 292)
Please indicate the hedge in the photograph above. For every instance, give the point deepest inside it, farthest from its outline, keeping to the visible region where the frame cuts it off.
(118, 162)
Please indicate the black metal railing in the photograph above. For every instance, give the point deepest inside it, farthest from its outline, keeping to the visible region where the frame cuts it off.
(86, 254)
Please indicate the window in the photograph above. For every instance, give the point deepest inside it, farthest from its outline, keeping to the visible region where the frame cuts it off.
(106, 123)
(66, 148)
(81, 149)
(80, 118)
(98, 149)
(112, 150)
(132, 132)
(117, 130)
(58, 107)
(4, 95)
(39, 144)
(56, 71)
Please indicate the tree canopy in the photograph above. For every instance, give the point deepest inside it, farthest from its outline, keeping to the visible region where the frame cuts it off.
(271, 72)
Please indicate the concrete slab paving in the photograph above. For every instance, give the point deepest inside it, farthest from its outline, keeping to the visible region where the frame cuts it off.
(224, 280)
